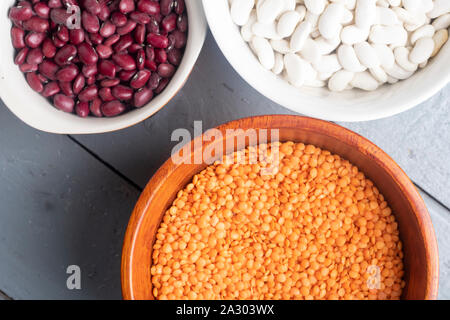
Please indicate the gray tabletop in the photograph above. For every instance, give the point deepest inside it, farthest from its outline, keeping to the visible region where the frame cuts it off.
(66, 200)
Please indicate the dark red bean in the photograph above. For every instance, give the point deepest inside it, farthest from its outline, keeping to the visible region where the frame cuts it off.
(78, 84)
(151, 65)
(160, 56)
(90, 70)
(58, 42)
(87, 54)
(54, 3)
(48, 68)
(48, 48)
(90, 22)
(122, 92)
(127, 28)
(104, 13)
(182, 23)
(142, 97)
(112, 40)
(66, 54)
(90, 81)
(42, 78)
(124, 42)
(21, 56)
(139, 34)
(169, 23)
(113, 108)
(162, 85)
(42, 10)
(140, 17)
(76, 36)
(154, 81)
(18, 38)
(179, 6)
(104, 52)
(20, 13)
(67, 74)
(107, 68)
(63, 103)
(59, 16)
(124, 61)
(153, 25)
(148, 6)
(180, 39)
(95, 107)
(140, 79)
(66, 88)
(107, 29)
(126, 6)
(95, 38)
(126, 75)
(82, 109)
(135, 47)
(150, 53)
(36, 24)
(25, 68)
(51, 89)
(34, 39)
(166, 70)
(174, 56)
(119, 19)
(157, 41)
(63, 33)
(88, 94)
(92, 6)
(140, 59)
(166, 6)
(34, 82)
(109, 82)
(106, 95)
(35, 56)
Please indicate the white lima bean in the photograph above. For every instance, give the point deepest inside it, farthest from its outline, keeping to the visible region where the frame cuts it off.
(343, 44)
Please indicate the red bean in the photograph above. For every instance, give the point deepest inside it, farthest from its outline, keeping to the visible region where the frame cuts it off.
(104, 52)
(135, 47)
(119, 19)
(179, 6)
(160, 56)
(169, 23)
(139, 34)
(166, 7)
(142, 97)
(124, 42)
(140, 79)
(90, 22)
(108, 29)
(106, 95)
(88, 94)
(166, 70)
(63, 33)
(87, 54)
(126, 6)
(95, 107)
(89, 70)
(18, 38)
(180, 39)
(148, 6)
(67, 74)
(76, 36)
(35, 56)
(54, 3)
(25, 68)
(104, 13)
(58, 42)
(109, 82)
(66, 88)
(124, 61)
(92, 6)
(48, 48)
(126, 75)
(63, 103)
(51, 89)
(34, 82)
(158, 41)
(21, 56)
(112, 40)
(174, 56)
(66, 54)
(113, 108)
(140, 17)
(122, 92)
(90, 81)
(154, 81)
(95, 38)
(48, 68)
(140, 59)
(127, 28)
(78, 84)
(151, 65)
(42, 10)
(153, 25)
(59, 16)
(162, 85)
(82, 109)
(182, 23)
(34, 39)
(150, 53)
(36, 24)
(107, 68)
(20, 13)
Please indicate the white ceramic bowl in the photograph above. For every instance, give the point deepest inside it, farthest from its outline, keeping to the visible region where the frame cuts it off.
(352, 105)
(37, 112)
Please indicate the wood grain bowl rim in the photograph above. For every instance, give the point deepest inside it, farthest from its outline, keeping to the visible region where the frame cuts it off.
(325, 128)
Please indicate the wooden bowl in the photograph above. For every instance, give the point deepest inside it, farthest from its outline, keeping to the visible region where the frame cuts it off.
(416, 230)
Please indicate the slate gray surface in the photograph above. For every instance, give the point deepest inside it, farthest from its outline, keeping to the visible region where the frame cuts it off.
(63, 203)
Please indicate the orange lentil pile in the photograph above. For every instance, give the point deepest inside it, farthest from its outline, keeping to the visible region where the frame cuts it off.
(312, 229)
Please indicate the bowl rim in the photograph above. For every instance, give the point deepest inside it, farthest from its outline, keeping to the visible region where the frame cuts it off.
(55, 121)
(326, 128)
(330, 106)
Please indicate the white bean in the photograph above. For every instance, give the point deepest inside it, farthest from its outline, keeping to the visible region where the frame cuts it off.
(440, 38)
(282, 46)
(366, 54)
(310, 51)
(352, 34)
(440, 7)
(365, 13)
(327, 64)
(401, 55)
(398, 72)
(388, 35)
(379, 74)
(300, 35)
(264, 30)
(422, 50)
(326, 46)
(279, 63)
(347, 17)
(302, 11)
(330, 20)
(395, 3)
(348, 59)
(296, 69)
(386, 17)
(412, 5)
(240, 11)
(269, 10)
(315, 6)
(443, 22)
(246, 30)
(424, 31)
(339, 81)
(287, 23)
(364, 81)
(385, 55)
(264, 52)
(289, 5)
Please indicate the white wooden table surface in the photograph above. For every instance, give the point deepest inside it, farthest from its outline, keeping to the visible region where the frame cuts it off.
(66, 200)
